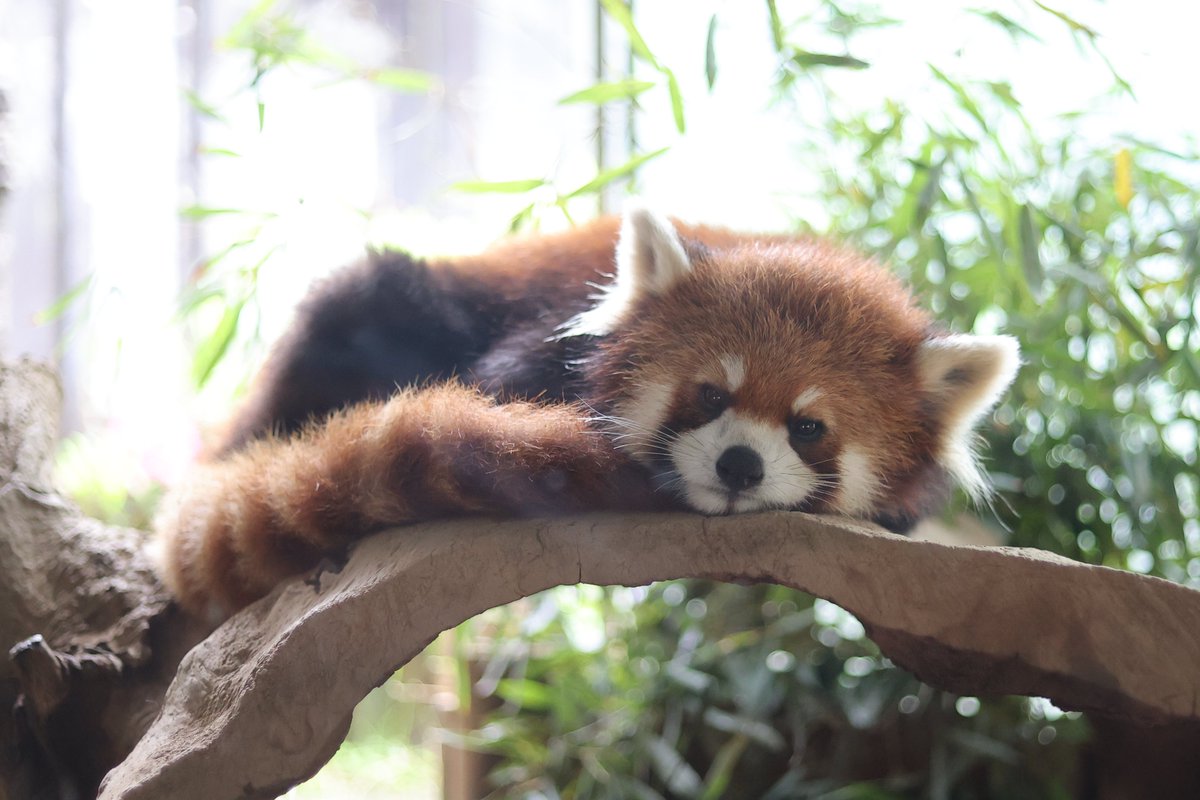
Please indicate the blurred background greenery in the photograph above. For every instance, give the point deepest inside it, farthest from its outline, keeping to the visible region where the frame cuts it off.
(1078, 236)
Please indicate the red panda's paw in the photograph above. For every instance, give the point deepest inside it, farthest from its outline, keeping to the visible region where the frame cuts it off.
(534, 459)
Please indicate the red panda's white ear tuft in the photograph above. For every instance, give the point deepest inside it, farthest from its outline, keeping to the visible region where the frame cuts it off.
(649, 254)
(650, 259)
(962, 377)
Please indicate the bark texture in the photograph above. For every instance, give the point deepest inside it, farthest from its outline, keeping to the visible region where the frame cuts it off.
(267, 697)
(79, 609)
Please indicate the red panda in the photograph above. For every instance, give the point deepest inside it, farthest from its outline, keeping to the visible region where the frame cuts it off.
(711, 370)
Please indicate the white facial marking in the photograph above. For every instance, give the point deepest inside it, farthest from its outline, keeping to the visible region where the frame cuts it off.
(805, 398)
(787, 480)
(638, 418)
(735, 371)
(859, 483)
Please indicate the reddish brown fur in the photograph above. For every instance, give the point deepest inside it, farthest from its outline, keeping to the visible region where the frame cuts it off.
(272, 509)
(804, 313)
(514, 282)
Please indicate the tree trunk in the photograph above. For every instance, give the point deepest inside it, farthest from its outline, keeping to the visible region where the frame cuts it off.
(81, 609)
(265, 700)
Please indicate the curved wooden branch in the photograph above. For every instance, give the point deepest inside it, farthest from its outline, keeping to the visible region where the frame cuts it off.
(266, 699)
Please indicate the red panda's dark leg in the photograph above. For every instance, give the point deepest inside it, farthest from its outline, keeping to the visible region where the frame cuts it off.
(367, 330)
(275, 507)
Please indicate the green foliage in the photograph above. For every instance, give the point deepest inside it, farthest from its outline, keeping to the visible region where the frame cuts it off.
(698, 690)
(1088, 254)
(619, 12)
(94, 473)
(603, 93)
(272, 37)
(553, 196)
(1087, 250)
(544, 193)
(76, 294)
(219, 305)
(386, 753)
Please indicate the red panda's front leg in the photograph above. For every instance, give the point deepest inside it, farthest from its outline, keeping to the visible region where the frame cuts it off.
(276, 507)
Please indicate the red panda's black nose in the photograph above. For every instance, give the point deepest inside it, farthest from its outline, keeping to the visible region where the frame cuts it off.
(740, 468)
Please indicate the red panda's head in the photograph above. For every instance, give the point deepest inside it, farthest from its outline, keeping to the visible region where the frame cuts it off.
(757, 373)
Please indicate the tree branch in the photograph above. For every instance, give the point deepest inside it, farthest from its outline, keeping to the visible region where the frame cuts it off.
(264, 701)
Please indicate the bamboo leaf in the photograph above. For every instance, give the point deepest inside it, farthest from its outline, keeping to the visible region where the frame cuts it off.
(561, 204)
(208, 262)
(526, 693)
(721, 772)
(1073, 24)
(400, 80)
(1031, 261)
(210, 351)
(678, 775)
(602, 93)
(806, 59)
(521, 218)
(1013, 28)
(250, 19)
(620, 13)
(218, 151)
(710, 53)
(693, 680)
(205, 109)
(995, 244)
(204, 212)
(498, 187)
(755, 729)
(928, 196)
(676, 100)
(777, 37)
(59, 306)
(964, 98)
(1122, 84)
(609, 175)
(1003, 91)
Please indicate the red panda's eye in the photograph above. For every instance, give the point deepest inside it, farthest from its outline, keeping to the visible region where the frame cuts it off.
(806, 429)
(713, 399)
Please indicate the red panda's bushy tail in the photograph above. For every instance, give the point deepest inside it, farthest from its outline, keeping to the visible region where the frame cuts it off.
(278, 506)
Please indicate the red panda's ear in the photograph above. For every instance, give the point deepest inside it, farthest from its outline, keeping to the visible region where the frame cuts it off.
(650, 259)
(962, 377)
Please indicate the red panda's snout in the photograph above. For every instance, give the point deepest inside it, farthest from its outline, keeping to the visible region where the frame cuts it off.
(737, 463)
(724, 445)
